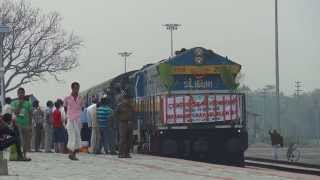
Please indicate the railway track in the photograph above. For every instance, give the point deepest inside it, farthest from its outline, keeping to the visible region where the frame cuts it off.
(294, 167)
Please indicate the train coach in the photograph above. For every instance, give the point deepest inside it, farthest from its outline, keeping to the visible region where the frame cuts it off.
(187, 107)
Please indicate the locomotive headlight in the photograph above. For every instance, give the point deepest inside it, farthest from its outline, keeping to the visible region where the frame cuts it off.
(198, 52)
(198, 60)
(239, 130)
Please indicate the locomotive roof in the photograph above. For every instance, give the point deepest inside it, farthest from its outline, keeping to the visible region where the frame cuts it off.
(103, 85)
(97, 87)
(188, 56)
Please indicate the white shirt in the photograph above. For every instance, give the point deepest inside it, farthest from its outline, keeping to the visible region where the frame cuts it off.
(91, 110)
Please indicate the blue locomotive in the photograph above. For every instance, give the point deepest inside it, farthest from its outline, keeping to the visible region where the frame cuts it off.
(187, 107)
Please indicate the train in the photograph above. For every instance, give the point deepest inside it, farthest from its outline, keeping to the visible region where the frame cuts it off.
(186, 106)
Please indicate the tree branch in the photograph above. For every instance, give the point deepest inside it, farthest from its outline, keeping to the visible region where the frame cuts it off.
(36, 45)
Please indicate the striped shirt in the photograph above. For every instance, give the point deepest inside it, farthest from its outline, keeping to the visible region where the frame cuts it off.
(37, 117)
(103, 115)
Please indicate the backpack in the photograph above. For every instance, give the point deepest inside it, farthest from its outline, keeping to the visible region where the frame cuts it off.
(6, 142)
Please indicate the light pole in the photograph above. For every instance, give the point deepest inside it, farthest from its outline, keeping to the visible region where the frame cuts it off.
(3, 29)
(317, 120)
(171, 28)
(277, 67)
(264, 107)
(125, 55)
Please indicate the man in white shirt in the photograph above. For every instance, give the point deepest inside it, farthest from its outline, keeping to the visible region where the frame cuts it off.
(93, 123)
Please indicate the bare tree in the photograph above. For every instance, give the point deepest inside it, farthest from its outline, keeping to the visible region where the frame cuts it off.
(36, 44)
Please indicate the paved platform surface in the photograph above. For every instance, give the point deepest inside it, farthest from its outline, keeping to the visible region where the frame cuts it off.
(142, 167)
(310, 155)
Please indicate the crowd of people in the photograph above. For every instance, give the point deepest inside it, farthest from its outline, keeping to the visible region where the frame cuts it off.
(66, 126)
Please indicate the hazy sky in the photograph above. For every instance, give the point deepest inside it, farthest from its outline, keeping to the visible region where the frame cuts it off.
(242, 30)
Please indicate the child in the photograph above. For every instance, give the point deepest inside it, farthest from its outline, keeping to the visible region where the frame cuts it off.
(58, 129)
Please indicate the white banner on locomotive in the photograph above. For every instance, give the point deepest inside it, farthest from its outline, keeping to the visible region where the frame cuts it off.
(201, 108)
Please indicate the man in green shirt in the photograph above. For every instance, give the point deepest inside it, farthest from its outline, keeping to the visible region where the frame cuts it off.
(23, 110)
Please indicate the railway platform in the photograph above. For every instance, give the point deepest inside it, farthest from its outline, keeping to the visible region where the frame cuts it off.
(143, 167)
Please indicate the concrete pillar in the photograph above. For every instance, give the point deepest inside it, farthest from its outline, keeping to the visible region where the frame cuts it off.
(3, 165)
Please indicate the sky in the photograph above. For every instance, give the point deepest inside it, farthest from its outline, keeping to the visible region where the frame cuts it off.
(242, 30)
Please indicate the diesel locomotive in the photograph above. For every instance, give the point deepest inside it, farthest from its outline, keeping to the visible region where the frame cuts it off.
(187, 106)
